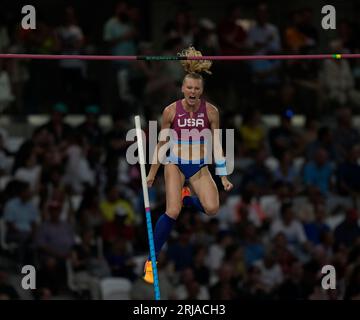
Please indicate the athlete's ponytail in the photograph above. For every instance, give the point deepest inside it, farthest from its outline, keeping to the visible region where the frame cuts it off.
(194, 66)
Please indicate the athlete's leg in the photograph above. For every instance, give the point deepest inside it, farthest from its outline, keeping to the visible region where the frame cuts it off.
(191, 201)
(205, 188)
(174, 180)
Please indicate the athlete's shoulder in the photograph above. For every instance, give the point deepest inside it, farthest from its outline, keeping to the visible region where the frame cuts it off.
(211, 109)
(170, 111)
(171, 108)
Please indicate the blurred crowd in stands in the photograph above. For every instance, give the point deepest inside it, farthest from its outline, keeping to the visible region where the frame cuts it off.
(72, 206)
(311, 87)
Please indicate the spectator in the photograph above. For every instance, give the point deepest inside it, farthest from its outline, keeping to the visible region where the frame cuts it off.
(283, 253)
(30, 172)
(257, 176)
(266, 76)
(182, 26)
(60, 131)
(326, 244)
(324, 140)
(40, 92)
(286, 171)
(217, 250)
(116, 145)
(6, 95)
(22, 217)
(227, 212)
(114, 205)
(93, 136)
(7, 291)
(318, 173)
(346, 36)
(253, 247)
(348, 173)
(235, 256)
(18, 69)
(248, 211)
(252, 132)
(55, 238)
(307, 27)
(293, 288)
(301, 36)
(89, 214)
(348, 231)
(189, 288)
(206, 40)
(283, 137)
(120, 260)
(345, 134)
(231, 34)
(270, 272)
(78, 173)
(199, 267)
(71, 42)
(173, 72)
(151, 82)
(310, 133)
(89, 265)
(119, 33)
(253, 287)
(232, 41)
(294, 38)
(40, 142)
(314, 230)
(264, 37)
(292, 228)
(51, 182)
(342, 91)
(181, 251)
(225, 288)
(271, 204)
(90, 128)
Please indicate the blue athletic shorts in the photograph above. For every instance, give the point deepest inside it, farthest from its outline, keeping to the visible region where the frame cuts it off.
(187, 167)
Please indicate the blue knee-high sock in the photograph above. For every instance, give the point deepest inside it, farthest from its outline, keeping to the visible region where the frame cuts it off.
(193, 201)
(162, 231)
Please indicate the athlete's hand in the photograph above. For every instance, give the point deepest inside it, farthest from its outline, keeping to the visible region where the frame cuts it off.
(150, 180)
(226, 184)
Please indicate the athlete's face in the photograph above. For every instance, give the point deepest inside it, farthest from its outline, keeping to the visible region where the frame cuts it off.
(192, 90)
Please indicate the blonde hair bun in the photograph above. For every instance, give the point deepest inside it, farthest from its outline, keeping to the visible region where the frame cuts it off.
(194, 66)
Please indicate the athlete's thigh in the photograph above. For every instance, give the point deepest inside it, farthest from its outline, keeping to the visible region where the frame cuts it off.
(174, 181)
(205, 188)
